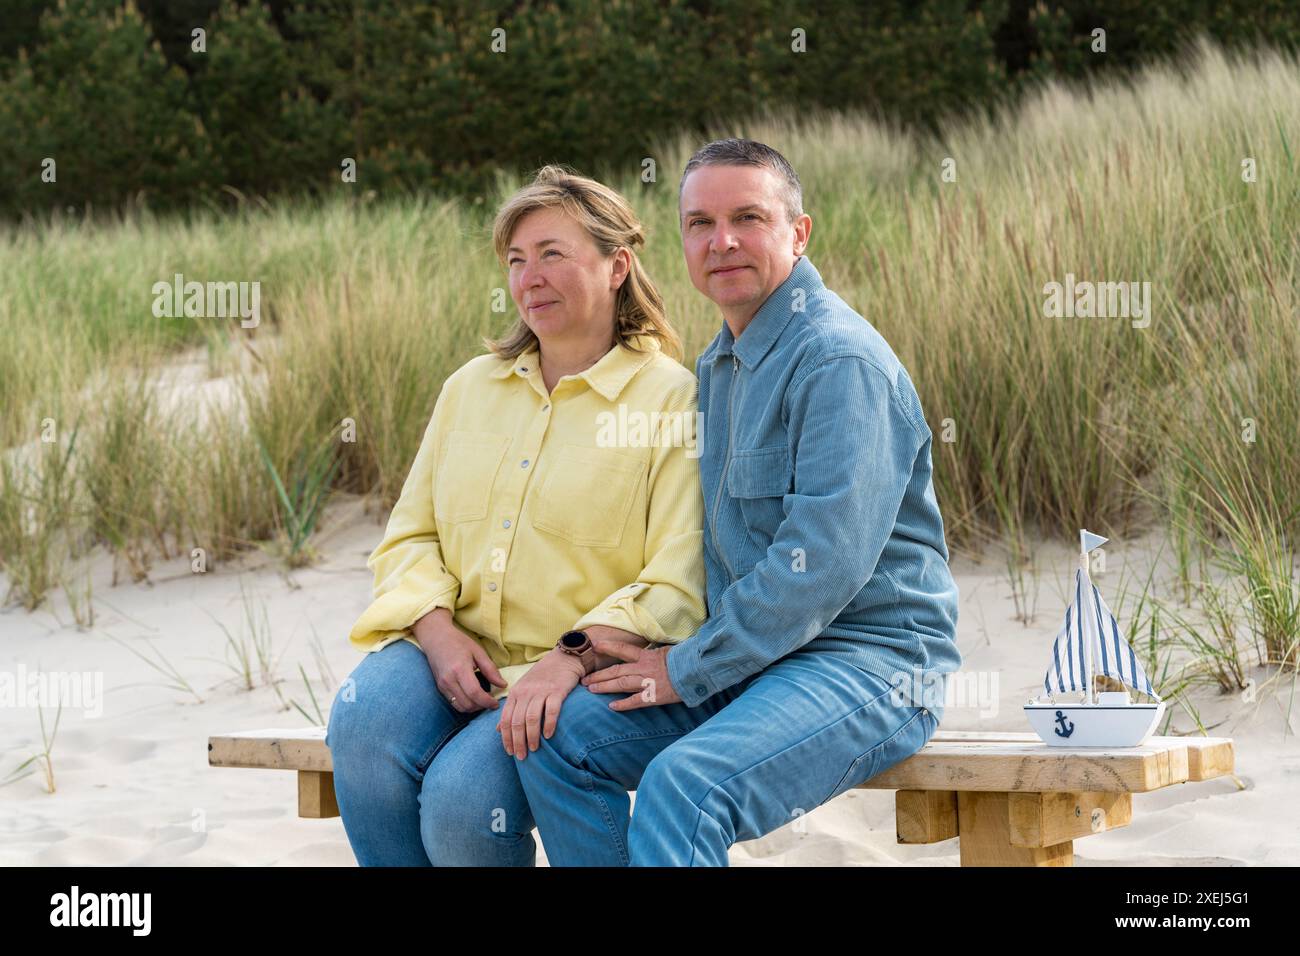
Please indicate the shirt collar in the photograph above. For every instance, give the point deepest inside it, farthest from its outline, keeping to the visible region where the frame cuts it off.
(771, 318)
(608, 376)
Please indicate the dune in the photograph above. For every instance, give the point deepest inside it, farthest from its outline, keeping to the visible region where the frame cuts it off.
(133, 785)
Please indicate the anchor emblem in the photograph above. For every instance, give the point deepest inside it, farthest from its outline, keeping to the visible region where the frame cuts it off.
(1066, 728)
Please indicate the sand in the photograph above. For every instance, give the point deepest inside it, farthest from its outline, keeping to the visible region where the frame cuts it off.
(133, 785)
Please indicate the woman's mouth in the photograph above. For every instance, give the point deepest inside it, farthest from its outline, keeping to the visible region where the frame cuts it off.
(540, 306)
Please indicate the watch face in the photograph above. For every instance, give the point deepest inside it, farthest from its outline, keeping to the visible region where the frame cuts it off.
(573, 639)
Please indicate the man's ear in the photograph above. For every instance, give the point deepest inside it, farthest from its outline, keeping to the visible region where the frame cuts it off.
(802, 233)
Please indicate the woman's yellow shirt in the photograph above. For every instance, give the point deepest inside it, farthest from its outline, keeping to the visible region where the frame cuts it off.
(527, 514)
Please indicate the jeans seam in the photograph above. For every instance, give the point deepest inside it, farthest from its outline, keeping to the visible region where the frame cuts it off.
(622, 738)
(423, 765)
(858, 759)
(590, 780)
(607, 814)
(695, 834)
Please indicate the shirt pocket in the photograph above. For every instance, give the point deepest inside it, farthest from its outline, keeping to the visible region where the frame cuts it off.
(587, 494)
(466, 474)
(759, 479)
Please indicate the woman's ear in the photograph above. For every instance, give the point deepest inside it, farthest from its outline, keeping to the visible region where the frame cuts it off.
(622, 266)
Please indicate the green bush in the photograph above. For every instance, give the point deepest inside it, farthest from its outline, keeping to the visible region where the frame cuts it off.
(415, 93)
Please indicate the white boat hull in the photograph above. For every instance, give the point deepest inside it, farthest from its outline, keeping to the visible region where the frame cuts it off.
(1095, 725)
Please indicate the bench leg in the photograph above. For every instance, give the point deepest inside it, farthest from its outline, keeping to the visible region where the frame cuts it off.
(984, 824)
(316, 794)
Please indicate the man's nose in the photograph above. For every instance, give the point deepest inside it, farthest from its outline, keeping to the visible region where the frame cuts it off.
(722, 239)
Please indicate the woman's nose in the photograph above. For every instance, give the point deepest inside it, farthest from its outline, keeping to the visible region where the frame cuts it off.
(529, 277)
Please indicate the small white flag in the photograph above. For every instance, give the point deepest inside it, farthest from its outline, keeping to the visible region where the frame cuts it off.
(1088, 540)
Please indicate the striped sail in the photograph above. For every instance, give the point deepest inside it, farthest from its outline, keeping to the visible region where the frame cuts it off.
(1112, 655)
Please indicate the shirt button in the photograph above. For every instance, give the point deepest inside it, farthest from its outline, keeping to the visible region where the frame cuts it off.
(492, 585)
(524, 463)
(506, 523)
(523, 368)
(546, 408)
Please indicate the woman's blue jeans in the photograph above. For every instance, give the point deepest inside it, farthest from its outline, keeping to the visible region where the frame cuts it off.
(419, 783)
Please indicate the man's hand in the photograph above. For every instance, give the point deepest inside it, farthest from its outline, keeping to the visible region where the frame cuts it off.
(644, 675)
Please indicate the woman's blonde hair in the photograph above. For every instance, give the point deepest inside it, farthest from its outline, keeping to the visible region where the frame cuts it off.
(609, 220)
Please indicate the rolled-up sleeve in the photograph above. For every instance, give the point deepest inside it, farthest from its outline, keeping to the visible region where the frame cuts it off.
(411, 577)
(665, 604)
(846, 497)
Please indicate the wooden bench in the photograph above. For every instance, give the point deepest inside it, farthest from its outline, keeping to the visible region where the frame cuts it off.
(1008, 799)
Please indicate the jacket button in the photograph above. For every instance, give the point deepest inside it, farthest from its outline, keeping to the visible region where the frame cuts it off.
(700, 689)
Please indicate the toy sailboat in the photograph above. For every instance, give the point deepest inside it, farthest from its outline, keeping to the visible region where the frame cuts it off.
(1090, 637)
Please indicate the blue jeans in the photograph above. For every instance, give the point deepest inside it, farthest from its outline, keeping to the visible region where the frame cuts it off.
(419, 783)
(746, 761)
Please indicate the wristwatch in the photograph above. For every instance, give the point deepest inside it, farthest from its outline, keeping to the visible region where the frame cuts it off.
(578, 644)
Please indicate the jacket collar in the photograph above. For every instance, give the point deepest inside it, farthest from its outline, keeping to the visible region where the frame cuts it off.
(608, 376)
(771, 318)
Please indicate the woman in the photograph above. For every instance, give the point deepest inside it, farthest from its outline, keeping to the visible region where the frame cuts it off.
(538, 503)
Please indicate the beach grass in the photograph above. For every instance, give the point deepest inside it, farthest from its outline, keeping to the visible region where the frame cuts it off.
(1184, 418)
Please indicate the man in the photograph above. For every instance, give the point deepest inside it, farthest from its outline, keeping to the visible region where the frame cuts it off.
(832, 612)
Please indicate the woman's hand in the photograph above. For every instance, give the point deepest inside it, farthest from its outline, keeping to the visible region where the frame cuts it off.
(453, 656)
(533, 704)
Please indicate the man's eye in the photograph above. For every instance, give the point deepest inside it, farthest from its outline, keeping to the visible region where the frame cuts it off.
(749, 215)
(696, 222)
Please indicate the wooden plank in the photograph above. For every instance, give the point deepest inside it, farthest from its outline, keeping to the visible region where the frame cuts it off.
(1045, 819)
(1209, 757)
(316, 798)
(984, 820)
(297, 749)
(925, 816)
(950, 761)
(1015, 766)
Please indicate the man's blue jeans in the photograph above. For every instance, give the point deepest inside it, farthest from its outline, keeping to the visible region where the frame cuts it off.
(419, 783)
(746, 761)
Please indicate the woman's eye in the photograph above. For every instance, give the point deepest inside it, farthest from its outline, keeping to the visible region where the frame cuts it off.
(549, 252)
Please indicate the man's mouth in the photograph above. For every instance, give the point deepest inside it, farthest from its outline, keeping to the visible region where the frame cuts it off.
(728, 270)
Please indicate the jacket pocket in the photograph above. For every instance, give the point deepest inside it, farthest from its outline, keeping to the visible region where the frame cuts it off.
(759, 472)
(587, 495)
(758, 479)
(466, 474)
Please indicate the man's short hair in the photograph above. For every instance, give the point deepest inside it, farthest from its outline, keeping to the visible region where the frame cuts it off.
(748, 152)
